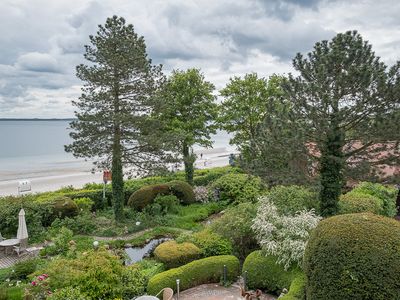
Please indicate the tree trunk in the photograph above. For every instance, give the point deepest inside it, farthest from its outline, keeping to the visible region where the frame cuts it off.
(188, 160)
(331, 170)
(117, 176)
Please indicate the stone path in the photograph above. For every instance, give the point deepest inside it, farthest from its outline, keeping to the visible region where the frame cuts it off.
(216, 292)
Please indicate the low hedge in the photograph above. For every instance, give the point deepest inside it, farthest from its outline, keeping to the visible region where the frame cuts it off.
(297, 290)
(146, 195)
(353, 256)
(206, 270)
(173, 255)
(95, 195)
(354, 202)
(264, 273)
(65, 207)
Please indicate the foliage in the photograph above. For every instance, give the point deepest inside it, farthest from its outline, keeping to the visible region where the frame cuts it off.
(263, 272)
(235, 225)
(112, 123)
(24, 268)
(39, 288)
(206, 270)
(293, 198)
(188, 114)
(201, 194)
(183, 191)
(349, 100)
(386, 194)
(204, 177)
(297, 290)
(355, 202)
(97, 274)
(61, 242)
(173, 255)
(146, 195)
(64, 207)
(84, 204)
(354, 256)
(68, 293)
(237, 188)
(284, 236)
(211, 244)
(168, 203)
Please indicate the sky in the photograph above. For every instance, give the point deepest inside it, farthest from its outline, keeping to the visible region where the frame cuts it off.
(41, 41)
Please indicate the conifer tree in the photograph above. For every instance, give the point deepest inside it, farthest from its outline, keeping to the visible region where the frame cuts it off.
(112, 123)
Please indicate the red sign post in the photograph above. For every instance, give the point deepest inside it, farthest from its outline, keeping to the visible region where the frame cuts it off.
(106, 176)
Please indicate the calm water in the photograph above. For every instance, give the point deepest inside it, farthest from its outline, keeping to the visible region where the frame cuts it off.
(34, 147)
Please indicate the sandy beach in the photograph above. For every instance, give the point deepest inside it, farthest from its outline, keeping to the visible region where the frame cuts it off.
(77, 175)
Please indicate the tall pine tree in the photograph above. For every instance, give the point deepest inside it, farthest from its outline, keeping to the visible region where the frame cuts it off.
(112, 123)
(349, 103)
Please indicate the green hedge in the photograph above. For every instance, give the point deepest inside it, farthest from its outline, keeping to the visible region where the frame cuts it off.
(237, 188)
(353, 256)
(355, 202)
(297, 289)
(386, 194)
(146, 195)
(173, 255)
(206, 270)
(264, 273)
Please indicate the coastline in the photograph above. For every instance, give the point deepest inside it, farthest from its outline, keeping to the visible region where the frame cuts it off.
(46, 180)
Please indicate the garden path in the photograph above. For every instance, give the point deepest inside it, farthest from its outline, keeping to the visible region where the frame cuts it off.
(216, 292)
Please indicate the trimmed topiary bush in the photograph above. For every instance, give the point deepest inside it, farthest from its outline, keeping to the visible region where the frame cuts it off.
(183, 191)
(174, 255)
(297, 289)
(65, 207)
(206, 270)
(354, 202)
(293, 198)
(146, 195)
(386, 194)
(263, 272)
(237, 188)
(353, 256)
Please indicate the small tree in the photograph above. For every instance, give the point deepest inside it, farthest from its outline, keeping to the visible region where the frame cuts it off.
(112, 123)
(349, 105)
(188, 113)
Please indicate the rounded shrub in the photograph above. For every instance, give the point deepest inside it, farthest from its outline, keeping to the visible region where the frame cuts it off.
(206, 270)
(386, 194)
(210, 243)
(297, 290)
(183, 191)
(263, 272)
(237, 188)
(293, 198)
(353, 256)
(173, 255)
(354, 202)
(65, 207)
(146, 195)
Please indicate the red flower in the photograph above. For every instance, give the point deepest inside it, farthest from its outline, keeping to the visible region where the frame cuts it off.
(33, 283)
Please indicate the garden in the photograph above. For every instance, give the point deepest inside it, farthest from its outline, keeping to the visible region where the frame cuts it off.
(227, 225)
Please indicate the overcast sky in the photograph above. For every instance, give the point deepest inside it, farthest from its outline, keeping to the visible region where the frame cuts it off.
(41, 41)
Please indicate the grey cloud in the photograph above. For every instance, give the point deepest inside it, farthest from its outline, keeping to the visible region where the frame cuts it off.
(38, 62)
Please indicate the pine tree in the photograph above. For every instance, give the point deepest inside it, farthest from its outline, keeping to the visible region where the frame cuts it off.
(349, 103)
(112, 123)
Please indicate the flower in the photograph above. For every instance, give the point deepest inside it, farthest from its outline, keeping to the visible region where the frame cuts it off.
(8, 280)
(137, 223)
(41, 278)
(45, 275)
(34, 283)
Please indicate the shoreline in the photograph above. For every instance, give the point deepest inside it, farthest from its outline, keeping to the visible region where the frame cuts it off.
(50, 180)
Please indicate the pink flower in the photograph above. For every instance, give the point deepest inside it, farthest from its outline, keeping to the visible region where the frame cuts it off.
(33, 283)
(41, 278)
(45, 275)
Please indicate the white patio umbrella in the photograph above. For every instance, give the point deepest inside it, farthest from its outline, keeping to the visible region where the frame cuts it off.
(22, 233)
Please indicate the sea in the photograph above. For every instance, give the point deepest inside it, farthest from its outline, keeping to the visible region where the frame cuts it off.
(34, 148)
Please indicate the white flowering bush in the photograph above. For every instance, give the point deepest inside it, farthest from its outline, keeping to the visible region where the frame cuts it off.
(284, 236)
(201, 194)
